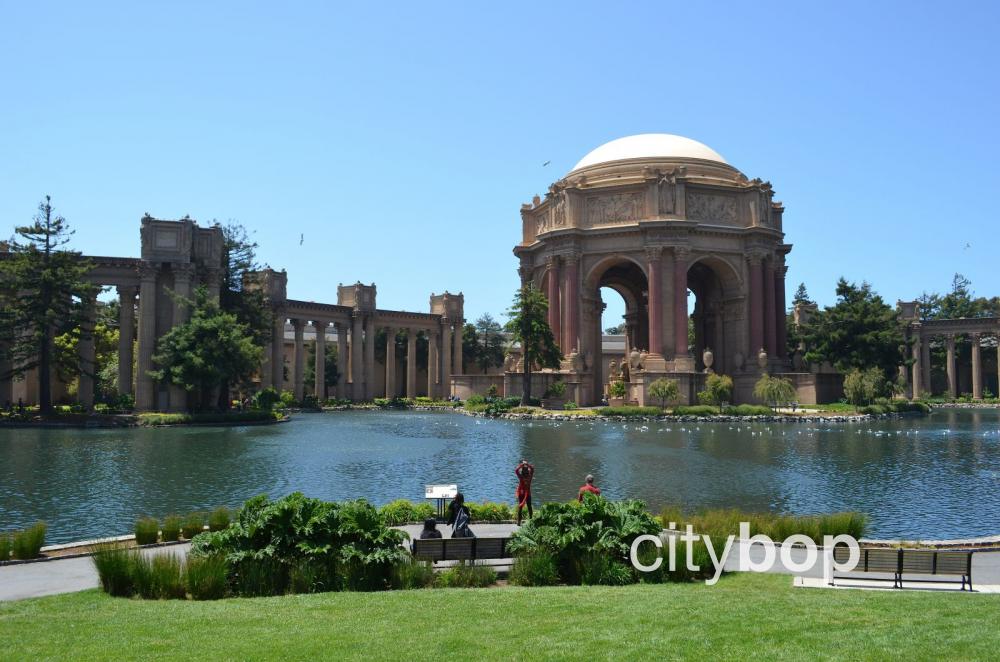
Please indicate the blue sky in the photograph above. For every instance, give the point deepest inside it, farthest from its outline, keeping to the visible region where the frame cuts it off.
(401, 139)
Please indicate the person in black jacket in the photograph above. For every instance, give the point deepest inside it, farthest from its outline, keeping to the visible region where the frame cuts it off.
(430, 529)
(459, 517)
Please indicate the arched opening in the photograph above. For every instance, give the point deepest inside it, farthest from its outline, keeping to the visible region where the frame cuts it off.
(712, 282)
(618, 289)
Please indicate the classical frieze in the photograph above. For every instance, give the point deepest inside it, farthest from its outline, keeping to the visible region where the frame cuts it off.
(712, 207)
(615, 208)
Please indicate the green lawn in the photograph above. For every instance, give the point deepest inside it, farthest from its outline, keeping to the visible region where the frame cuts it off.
(744, 615)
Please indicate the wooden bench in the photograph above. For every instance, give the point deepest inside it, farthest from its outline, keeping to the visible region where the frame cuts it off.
(900, 562)
(460, 549)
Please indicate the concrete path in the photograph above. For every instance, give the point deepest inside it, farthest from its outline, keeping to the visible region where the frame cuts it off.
(31, 580)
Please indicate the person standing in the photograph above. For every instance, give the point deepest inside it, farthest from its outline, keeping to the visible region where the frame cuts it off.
(524, 472)
(588, 487)
(459, 517)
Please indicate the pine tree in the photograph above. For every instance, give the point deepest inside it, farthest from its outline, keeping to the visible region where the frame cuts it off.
(44, 294)
(529, 326)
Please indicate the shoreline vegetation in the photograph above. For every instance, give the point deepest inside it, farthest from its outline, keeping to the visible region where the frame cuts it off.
(67, 416)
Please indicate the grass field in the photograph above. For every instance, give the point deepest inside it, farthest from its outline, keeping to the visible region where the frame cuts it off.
(744, 615)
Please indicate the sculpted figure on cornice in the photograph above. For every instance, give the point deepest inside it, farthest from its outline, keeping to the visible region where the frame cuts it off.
(559, 211)
(666, 195)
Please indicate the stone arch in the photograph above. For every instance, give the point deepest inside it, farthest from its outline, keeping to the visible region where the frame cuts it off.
(716, 285)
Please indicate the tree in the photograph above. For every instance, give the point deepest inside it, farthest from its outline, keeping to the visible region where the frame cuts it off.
(249, 305)
(471, 349)
(665, 390)
(801, 295)
(773, 390)
(529, 326)
(718, 390)
(45, 294)
(615, 330)
(490, 335)
(862, 387)
(860, 331)
(211, 350)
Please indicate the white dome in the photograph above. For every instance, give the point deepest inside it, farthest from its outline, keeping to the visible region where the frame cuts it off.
(649, 146)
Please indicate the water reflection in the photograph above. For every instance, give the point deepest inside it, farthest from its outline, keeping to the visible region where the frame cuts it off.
(935, 477)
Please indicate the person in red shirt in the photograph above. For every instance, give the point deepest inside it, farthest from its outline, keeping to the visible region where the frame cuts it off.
(524, 472)
(588, 486)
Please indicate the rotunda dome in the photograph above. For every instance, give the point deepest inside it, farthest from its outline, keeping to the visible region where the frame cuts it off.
(649, 146)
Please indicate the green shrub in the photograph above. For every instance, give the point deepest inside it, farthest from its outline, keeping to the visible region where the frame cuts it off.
(748, 410)
(113, 563)
(266, 399)
(616, 389)
(194, 523)
(147, 531)
(270, 537)
(157, 577)
(207, 577)
(5, 544)
(402, 511)
(534, 570)
(522, 410)
(902, 406)
(27, 544)
(597, 569)
(411, 573)
(287, 400)
(556, 389)
(575, 534)
(874, 410)
(253, 578)
(467, 575)
(490, 512)
(570, 406)
(171, 529)
(720, 523)
(630, 411)
(475, 399)
(695, 410)
(312, 576)
(219, 519)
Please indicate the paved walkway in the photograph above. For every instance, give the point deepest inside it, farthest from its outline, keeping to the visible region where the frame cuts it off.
(32, 580)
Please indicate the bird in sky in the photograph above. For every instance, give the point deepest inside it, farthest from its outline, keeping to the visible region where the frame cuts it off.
(302, 237)
(546, 163)
(967, 246)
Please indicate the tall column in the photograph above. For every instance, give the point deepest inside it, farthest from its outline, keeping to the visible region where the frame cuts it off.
(553, 295)
(278, 351)
(357, 361)
(571, 323)
(770, 315)
(977, 368)
(86, 353)
(370, 358)
(182, 290)
(126, 336)
(390, 363)
(411, 363)
(432, 364)
(342, 355)
(781, 321)
(298, 384)
(145, 388)
(950, 366)
(925, 365)
(456, 351)
(654, 255)
(319, 385)
(445, 357)
(680, 302)
(917, 368)
(756, 307)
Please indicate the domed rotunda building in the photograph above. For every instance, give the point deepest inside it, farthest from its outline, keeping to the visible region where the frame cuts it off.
(654, 217)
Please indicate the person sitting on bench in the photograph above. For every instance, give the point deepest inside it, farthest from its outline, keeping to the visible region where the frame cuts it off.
(430, 529)
(459, 517)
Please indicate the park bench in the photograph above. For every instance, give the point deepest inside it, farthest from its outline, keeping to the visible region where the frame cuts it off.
(901, 563)
(460, 549)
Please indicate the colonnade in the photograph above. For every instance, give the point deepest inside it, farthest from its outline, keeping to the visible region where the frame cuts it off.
(919, 376)
(356, 338)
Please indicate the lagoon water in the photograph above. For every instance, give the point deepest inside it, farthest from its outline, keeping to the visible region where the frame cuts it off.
(936, 477)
